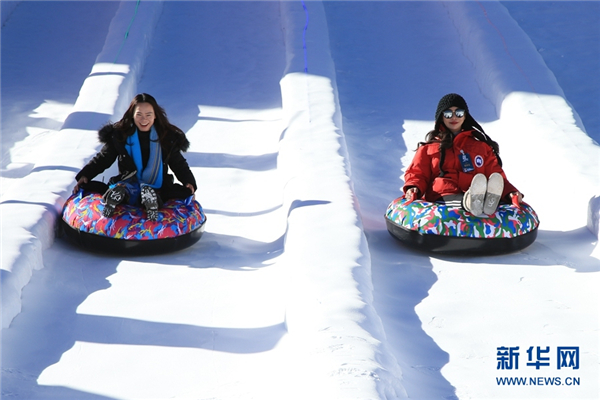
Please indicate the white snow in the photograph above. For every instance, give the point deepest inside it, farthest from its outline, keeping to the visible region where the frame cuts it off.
(302, 117)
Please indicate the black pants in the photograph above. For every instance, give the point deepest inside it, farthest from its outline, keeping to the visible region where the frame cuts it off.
(453, 200)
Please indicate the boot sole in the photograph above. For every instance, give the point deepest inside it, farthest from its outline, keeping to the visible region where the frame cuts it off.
(477, 194)
(495, 187)
(150, 202)
(108, 211)
(114, 198)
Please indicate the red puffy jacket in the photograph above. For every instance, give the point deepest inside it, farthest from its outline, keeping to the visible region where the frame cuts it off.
(424, 171)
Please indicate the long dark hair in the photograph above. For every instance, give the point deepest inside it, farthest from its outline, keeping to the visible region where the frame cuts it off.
(162, 125)
(440, 134)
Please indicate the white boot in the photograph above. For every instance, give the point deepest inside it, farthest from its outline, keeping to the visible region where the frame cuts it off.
(475, 196)
(495, 187)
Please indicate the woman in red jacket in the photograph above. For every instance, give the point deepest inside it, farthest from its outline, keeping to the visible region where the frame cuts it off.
(458, 164)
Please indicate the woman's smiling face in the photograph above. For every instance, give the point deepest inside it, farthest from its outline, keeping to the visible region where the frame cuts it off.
(143, 116)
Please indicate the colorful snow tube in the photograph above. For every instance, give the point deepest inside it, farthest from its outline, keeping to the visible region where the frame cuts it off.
(442, 229)
(180, 224)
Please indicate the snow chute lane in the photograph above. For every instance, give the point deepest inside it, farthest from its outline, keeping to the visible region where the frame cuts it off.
(272, 180)
(390, 79)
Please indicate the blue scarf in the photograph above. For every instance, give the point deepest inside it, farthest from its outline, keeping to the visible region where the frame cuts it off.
(153, 173)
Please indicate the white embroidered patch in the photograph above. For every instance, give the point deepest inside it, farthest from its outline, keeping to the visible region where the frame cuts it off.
(479, 161)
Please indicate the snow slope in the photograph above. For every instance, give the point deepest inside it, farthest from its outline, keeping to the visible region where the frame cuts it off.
(301, 118)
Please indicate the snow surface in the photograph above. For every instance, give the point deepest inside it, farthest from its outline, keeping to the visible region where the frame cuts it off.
(302, 117)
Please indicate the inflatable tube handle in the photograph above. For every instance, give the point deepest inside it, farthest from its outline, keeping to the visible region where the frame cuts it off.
(515, 200)
(189, 200)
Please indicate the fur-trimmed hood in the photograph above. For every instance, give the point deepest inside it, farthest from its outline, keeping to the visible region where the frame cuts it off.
(174, 140)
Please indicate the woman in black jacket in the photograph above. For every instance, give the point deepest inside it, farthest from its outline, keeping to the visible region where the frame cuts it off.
(146, 145)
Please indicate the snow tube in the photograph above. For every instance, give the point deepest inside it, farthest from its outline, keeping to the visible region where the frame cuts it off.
(442, 229)
(180, 224)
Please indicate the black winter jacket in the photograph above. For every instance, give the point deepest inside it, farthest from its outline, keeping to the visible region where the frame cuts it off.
(113, 149)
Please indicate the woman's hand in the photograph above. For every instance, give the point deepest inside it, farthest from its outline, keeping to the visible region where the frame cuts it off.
(191, 187)
(411, 194)
(81, 181)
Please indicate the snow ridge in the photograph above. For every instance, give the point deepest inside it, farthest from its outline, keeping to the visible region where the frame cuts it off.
(314, 162)
(23, 241)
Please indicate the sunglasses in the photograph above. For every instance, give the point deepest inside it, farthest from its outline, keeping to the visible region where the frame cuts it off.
(458, 113)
